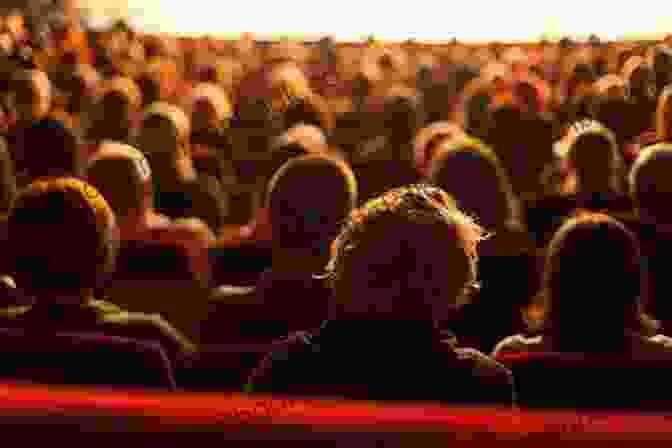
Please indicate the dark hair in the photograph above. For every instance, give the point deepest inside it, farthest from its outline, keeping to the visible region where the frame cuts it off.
(472, 175)
(309, 198)
(58, 241)
(150, 89)
(595, 157)
(48, 148)
(403, 254)
(112, 120)
(592, 283)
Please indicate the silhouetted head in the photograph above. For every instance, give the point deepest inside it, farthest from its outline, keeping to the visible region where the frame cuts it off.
(472, 175)
(651, 184)
(210, 108)
(48, 149)
(592, 281)
(595, 160)
(429, 139)
(664, 116)
(119, 99)
(408, 254)
(164, 138)
(31, 95)
(122, 175)
(308, 199)
(62, 235)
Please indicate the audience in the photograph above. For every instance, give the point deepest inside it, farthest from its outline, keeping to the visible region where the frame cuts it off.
(390, 287)
(60, 258)
(245, 171)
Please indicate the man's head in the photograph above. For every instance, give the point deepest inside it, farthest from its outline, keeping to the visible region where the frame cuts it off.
(471, 173)
(210, 108)
(308, 199)
(651, 184)
(408, 254)
(164, 138)
(48, 149)
(31, 95)
(62, 237)
(122, 175)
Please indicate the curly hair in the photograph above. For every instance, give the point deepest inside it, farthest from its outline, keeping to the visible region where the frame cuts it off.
(402, 243)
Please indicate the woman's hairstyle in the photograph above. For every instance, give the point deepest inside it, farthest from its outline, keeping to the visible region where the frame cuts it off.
(470, 172)
(651, 184)
(405, 253)
(594, 155)
(118, 99)
(60, 236)
(592, 282)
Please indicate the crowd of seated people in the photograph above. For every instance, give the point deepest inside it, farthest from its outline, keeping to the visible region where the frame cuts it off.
(464, 224)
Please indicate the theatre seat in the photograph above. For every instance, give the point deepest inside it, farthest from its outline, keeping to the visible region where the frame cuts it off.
(82, 359)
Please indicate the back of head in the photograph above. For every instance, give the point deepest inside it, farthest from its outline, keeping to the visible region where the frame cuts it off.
(210, 108)
(48, 148)
(164, 139)
(471, 174)
(408, 254)
(119, 98)
(31, 95)
(61, 234)
(308, 199)
(402, 117)
(651, 184)
(595, 157)
(592, 277)
(429, 139)
(122, 175)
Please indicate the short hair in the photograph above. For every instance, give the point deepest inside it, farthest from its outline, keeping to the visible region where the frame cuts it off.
(219, 109)
(48, 148)
(122, 175)
(470, 172)
(309, 198)
(37, 83)
(592, 277)
(407, 252)
(60, 236)
(650, 182)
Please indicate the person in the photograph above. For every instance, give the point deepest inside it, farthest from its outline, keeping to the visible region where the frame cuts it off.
(507, 259)
(48, 149)
(115, 112)
(179, 192)
(650, 188)
(308, 198)
(591, 316)
(401, 262)
(122, 175)
(62, 243)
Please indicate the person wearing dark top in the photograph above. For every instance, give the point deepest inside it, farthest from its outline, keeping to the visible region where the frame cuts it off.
(651, 189)
(593, 179)
(62, 243)
(400, 264)
(591, 307)
(179, 192)
(388, 161)
(308, 199)
(507, 259)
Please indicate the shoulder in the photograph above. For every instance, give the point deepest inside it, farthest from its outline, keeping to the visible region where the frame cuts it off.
(483, 365)
(280, 365)
(517, 344)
